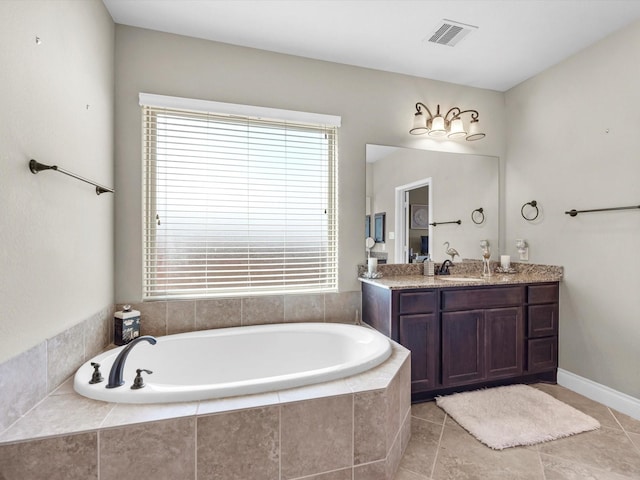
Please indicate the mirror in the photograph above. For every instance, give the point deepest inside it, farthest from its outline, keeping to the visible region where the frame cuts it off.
(431, 198)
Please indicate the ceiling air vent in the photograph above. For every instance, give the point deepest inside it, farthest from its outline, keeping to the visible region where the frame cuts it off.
(450, 33)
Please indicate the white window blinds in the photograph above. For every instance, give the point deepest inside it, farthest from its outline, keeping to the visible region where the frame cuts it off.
(237, 204)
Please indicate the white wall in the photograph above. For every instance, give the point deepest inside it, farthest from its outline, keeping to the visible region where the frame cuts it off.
(376, 107)
(56, 234)
(573, 142)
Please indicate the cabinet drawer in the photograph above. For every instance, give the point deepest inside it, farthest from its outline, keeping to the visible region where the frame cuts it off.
(417, 302)
(542, 293)
(542, 354)
(481, 298)
(542, 320)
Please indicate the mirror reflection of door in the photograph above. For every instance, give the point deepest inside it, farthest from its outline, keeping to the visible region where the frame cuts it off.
(417, 228)
(413, 211)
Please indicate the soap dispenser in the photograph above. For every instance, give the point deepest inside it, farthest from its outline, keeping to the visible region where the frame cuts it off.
(429, 266)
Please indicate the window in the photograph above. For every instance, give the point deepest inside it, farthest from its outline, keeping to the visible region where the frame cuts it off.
(236, 203)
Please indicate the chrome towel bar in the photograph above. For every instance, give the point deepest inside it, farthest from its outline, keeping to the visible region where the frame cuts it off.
(574, 212)
(36, 167)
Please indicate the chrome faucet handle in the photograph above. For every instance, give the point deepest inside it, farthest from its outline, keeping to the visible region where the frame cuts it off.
(97, 376)
(138, 382)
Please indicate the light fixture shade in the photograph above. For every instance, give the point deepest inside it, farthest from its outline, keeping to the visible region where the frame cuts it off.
(474, 132)
(419, 124)
(457, 128)
(437, 127)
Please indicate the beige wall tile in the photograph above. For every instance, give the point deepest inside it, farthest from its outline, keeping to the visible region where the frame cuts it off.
(262, 310)
(181, 316)
(341, 307)
(65, 353)
(371, 471)
(96, 332)
(17, 395)
(239, 445)
(304, 308)
(153, 318)
(159, 450)
(218, 313)
(370, 434)
(392, 414)
(404, 384)
(317, 436)
(72, 457)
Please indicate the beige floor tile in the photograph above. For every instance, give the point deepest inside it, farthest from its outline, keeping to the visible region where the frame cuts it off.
(403, 474)
(423, 445)
(428, 411)
(461, 456)
(635, 438)
(628, 423)
(559, 469)
(606, 449)
(606, 454)
(582, 403)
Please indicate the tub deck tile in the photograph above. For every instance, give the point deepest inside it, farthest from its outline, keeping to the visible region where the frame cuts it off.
(219, 405)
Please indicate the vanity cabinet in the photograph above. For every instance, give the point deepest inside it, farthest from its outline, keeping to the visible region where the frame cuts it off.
(469, 337)
(542, 328)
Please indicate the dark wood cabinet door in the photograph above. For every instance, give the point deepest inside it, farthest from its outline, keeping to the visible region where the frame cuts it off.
(504, 342)
(462, 347)
(421, 335)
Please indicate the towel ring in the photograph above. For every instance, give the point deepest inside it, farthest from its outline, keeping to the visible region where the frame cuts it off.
(534, 205)
(480, 215)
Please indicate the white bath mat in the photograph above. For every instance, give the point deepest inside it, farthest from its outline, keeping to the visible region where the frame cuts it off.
(505, 417)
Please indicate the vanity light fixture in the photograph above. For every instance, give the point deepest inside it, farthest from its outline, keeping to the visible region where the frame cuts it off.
(450, 125)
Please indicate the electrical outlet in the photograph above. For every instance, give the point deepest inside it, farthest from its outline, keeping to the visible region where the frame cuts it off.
(392, 236)
(524, 254)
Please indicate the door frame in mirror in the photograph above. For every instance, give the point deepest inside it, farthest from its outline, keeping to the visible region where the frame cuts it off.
(401, 249)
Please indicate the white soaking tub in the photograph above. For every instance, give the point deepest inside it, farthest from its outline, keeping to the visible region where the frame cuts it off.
(237, 361)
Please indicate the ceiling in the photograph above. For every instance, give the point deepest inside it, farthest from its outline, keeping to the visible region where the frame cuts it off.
(514, 39)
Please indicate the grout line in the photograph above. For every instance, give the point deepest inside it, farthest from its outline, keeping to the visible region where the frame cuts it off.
(544, 477)
(435, 458)
(98, 435)
(195, 453)
(633, 444)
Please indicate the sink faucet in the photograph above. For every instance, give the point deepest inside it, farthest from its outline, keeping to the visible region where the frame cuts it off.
(115, 375)
(444, 268)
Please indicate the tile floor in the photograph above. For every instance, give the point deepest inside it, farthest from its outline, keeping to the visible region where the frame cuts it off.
(441, 450)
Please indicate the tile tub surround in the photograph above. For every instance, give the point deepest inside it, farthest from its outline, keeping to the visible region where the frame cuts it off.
(28, 377)
(165, 317)
(354, 428)
(51, 362)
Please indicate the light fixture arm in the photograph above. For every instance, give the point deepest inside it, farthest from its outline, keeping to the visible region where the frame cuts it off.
(420, 104)
(474, 114)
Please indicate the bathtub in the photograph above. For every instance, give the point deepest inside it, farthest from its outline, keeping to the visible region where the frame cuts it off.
(237, 361)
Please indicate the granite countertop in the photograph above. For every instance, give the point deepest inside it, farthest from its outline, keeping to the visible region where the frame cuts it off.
(465, 274)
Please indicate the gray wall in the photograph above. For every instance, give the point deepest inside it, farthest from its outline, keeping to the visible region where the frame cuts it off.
(560, 154)
(56, 234)
(376, 107)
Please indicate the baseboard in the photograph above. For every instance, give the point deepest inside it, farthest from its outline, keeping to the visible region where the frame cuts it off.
(600, 393)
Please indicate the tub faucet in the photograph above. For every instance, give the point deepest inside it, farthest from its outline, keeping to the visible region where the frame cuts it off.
(115, 375)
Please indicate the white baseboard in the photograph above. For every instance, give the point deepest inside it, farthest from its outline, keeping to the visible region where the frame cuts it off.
(600, 393)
